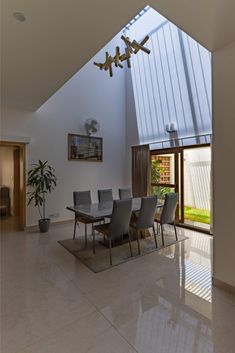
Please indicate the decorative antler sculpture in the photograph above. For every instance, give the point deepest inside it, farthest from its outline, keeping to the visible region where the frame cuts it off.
(131, 48)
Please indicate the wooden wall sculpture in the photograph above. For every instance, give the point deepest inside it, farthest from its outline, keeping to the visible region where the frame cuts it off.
(131, 48)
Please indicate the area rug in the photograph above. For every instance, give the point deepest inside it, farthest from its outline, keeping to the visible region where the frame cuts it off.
(100, 260)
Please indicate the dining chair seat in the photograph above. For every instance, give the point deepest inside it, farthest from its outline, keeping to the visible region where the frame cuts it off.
(119, 224)
(102, 228)
(145, 218)
(157, 217)
(83, 198)
(87, 220)
(133, 223)
(168, 213)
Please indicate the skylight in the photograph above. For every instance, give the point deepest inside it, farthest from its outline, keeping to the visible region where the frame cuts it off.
(172, 85)
(141, 13)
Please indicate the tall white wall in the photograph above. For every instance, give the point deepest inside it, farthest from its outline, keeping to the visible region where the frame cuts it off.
(132, 137)
(223, 163)
(91, 93)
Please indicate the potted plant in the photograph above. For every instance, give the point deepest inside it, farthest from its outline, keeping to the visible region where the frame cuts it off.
(42, 180)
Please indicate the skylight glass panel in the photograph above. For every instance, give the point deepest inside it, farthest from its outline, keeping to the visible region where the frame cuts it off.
(173, 83)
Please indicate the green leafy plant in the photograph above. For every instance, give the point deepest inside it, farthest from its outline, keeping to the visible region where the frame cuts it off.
(156, 170)
(42, 180)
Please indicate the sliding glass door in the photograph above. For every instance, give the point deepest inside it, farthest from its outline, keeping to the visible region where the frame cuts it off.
(164, 174)
(197, 187)
(186, 171)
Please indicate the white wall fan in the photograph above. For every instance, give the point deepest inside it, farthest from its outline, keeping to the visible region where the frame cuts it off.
(91, 126)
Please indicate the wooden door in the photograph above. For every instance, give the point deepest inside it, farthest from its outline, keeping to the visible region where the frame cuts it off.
(19, 196)
(16, 182)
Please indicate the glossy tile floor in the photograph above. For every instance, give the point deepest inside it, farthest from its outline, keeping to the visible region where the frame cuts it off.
(159, 303)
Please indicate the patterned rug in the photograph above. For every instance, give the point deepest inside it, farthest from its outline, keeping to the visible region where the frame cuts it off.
(100, 260)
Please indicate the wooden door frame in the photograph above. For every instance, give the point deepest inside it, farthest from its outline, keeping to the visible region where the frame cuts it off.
(22, 148)
(176, 185)
(179, 150)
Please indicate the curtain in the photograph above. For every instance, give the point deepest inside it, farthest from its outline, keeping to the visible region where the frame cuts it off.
(140, 170)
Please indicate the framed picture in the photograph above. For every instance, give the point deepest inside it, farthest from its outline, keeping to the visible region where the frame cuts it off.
(85, 148)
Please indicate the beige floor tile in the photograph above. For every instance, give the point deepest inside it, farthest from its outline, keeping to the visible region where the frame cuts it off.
(39, 316)
(159, 303)
(92, 334)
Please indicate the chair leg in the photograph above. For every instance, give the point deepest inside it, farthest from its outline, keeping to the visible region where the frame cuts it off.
(129, 238)
(176, 235)
(110, 252)
(138, 241)
(93, 235)
(158, 233)
(155, 237)
(75, 225)
(162, 235)
(85, 235)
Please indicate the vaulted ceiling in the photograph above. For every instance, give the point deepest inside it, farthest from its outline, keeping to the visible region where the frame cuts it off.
(59, 37)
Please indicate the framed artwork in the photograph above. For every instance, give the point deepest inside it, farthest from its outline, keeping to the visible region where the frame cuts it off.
(85, 148)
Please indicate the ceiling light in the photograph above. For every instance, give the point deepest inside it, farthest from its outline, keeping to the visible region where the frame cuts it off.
(19, 16)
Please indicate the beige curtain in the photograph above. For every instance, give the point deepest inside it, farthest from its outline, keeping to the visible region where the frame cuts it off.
(140, 170)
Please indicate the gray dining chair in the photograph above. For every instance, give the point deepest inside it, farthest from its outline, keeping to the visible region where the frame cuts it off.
(125, 194)
(168, 213)
(118, 226)
(83, 198)
(145, 219)
(105, 195)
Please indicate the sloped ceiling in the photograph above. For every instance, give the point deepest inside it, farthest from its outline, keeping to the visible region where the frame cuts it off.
(59, 37)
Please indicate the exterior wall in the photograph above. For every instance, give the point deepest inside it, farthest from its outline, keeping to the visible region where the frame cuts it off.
(197, 172)
(223, 163)
(90, 93)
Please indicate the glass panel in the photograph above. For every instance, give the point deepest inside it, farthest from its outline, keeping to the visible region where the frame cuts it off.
(179, 188)
(161, 191)
(197, 184)
(172, 84)
(163, 169)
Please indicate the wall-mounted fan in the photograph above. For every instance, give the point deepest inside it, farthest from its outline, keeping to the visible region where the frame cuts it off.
(91, 126)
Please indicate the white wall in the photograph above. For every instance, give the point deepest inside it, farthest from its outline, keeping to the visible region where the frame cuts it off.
(132, 137)
(223, 163)
(7, 170)
(91, 93)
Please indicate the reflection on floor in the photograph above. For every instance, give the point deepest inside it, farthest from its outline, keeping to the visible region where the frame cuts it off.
(159, 303)
(197, 224)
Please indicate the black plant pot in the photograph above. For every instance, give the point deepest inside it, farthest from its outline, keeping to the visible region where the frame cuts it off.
(44, 225)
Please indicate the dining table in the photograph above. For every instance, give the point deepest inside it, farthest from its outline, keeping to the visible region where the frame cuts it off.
(96, 211)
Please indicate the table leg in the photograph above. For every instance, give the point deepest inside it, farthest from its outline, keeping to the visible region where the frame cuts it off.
(75, 225)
